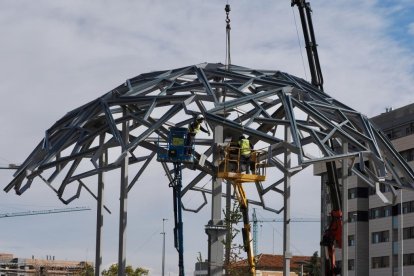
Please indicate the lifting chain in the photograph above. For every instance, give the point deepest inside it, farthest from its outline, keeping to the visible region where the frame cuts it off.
(228, 28)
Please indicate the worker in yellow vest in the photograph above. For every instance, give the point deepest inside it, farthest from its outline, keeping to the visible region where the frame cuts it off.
(245, 152)
(193, 128)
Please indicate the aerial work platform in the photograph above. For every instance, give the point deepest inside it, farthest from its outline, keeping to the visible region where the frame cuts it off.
(237, 169)
(233, 168)
(176, 149)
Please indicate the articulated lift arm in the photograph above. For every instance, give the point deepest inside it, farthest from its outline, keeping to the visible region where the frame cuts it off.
(332, 236)
(247, 237)
(178, 218)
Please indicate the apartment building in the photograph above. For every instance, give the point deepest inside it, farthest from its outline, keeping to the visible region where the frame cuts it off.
(381, 234)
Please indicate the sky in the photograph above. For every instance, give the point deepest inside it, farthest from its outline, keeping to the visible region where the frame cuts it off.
(58, 55)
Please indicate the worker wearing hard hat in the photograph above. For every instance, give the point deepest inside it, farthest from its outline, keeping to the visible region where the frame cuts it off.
(245, 152)
(193, 128)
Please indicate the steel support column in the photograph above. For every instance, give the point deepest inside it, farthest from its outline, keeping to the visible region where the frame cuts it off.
(103, 161)
(287, 255)
(123, 202)
(215, 231)
(228, 224)
(345, 219)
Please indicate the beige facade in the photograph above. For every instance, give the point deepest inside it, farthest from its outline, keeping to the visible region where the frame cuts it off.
(10, 265)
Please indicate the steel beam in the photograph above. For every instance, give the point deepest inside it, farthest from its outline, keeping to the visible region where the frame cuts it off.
(287, 254)
(103, 160)
(123, 214)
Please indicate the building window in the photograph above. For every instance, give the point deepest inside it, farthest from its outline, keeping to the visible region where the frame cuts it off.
(352, 216)
(380, 262)
(408, 233)
(387, 212)
(380, 212)
(408, 207)
(351, 240)
(382, 236)
(351, 264)
(408, 259)
(357, 216)
(338, 264)
(352, 193)
(358, 192)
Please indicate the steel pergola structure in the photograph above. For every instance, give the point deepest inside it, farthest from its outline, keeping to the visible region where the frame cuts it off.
(297, 124)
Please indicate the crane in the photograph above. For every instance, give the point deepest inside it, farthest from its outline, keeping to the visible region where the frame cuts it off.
(332, 236)
(44, 212)
(38, 212)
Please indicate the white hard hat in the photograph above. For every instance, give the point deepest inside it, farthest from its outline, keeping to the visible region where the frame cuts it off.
(200, 117)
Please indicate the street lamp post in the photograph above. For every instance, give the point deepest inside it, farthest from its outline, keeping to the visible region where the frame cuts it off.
(163, 246)
(302, 263)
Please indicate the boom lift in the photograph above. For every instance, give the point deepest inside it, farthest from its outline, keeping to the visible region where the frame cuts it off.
(332, 236)
(231, 169)
(177, 152)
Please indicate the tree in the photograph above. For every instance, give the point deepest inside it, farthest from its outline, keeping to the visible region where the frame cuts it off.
(141, 271)
(314, 266)
(129, 271)
(87, 270)
(233, 251)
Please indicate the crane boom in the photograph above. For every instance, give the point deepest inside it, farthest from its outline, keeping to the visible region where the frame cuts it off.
(332, 236)
(43, 212)
(310, 42)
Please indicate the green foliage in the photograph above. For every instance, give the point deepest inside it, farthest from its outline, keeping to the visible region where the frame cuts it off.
(87, 270)
(314, 266)
(232, 218)
(129, 271)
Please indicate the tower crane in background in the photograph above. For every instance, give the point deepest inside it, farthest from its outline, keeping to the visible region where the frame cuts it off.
(38, 212)
(256, 221)
(44, 212)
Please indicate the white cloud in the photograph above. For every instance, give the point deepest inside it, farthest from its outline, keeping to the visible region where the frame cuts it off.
(58, 55)
(411, 29)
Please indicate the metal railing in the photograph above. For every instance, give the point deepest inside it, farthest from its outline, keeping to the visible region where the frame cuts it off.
(231, 160)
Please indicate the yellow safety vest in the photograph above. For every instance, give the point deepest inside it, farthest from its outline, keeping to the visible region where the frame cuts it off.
(244, 147)
(194, 128)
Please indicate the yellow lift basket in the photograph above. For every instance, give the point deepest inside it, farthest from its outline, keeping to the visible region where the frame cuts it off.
(231, 165)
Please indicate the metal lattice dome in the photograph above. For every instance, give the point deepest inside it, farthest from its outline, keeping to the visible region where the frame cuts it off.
(265, 105)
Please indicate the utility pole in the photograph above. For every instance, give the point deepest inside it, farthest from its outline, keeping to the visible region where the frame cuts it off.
(163, 246)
